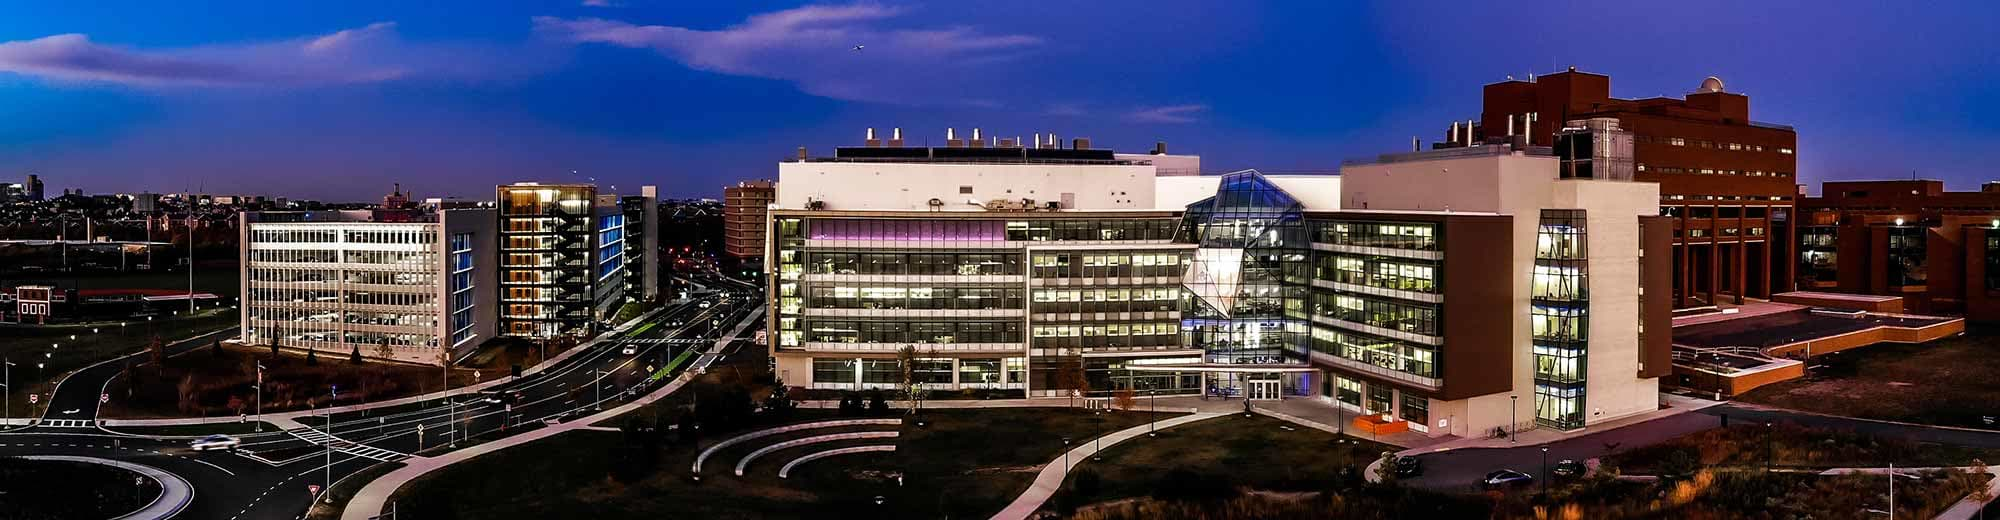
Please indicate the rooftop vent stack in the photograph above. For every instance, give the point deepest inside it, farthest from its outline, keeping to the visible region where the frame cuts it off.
(1468, 132)
(1453, 137)
(951, 139)
(1080, 143)
(802, 153)
(871, 140)
(1416, 145)
(1159, 147)
(1038, 140)
(896, 137)
(1510, 124)
(976, 141)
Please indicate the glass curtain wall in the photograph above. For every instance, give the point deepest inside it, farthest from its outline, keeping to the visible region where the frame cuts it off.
(1560, 318)
(1247, 284)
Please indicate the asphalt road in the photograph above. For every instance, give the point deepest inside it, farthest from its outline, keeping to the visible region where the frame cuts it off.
(268, 477)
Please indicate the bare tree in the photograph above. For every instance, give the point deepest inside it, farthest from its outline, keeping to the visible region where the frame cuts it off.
(1070, 374)
(913, 390)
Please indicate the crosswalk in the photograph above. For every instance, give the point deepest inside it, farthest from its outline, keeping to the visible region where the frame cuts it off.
(69, 423)
(317, 437)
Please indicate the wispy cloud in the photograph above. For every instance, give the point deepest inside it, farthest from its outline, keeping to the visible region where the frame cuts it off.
(1168, 114)
(1064, 110)
(369, 54)
(600, 3)
(834, 51)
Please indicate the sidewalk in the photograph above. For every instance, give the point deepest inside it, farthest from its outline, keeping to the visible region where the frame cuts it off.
(288, 420)
(372, 499)
(1051, 477)
(1538, 436)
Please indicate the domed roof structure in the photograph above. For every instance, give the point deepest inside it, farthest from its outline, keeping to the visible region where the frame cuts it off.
(1712, 84)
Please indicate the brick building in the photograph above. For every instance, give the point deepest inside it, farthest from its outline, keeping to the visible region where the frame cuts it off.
(1727, 181)
(1937, 249)
(743, 209)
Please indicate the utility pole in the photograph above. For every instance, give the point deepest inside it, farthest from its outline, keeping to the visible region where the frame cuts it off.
(333, 393)
(190, 238)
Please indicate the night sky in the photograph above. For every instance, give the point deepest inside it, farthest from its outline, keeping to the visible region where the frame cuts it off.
(336, 100)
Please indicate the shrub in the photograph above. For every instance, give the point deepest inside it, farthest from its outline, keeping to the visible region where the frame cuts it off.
(876, 404)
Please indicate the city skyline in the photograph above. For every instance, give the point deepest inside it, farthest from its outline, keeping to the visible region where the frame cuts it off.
(450, 100)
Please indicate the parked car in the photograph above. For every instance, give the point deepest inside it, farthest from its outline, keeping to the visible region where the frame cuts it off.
(1409, 466)
(1507, 478)
(214, 442)
(1567, 468)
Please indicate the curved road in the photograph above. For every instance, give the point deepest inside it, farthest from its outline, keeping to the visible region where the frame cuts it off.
(268, 477)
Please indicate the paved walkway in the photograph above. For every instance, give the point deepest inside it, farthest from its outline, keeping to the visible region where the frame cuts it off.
(175, 492)
(1051, 477)
(372, 499)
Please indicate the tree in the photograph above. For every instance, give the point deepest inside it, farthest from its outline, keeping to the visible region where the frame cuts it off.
(912, 390)
(1981, 491)
(876, 404)
(312, 357)
(384, 351)
(1387, 470)
(1126, 399)
(1070, 375)
(355, 356)
(274, 348)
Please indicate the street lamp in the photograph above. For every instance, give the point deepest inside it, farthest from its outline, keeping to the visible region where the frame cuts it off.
(1513, 415)
(260, 396)
(1065, 457)
(1768, 453)
(1545, 469)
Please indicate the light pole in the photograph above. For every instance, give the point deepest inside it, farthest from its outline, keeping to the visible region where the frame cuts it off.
(8, 375)
(260, 396)
(450, 406)
(599, 385)
(1545, 469)
(1153, 407)
(1768, 453)
(333, 393)
(1513, 415)
(1066, 458)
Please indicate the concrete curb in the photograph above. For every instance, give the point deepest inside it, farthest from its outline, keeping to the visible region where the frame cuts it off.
(175, 492)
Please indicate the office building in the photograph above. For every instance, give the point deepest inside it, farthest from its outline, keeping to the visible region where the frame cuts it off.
(1038, 268)
(32, 190)
(743, 218)
(561, 258)
(407, 284)
(1938, 250)
(642, 239)
(1727, 180)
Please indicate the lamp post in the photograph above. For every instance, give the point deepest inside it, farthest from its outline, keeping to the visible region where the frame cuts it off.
(333, 393)
(7, 366)
(1513, 415)
(1768, 452)
(1545, 469)
(260, 397)
(1153, 407)
(1065, 457)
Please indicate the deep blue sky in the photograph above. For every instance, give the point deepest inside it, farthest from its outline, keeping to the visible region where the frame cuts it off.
(336, 100)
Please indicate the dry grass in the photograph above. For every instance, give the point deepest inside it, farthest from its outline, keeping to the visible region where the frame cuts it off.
(204, 383)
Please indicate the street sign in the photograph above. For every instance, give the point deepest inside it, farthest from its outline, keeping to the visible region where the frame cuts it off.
(103, 398)
(312, 488)
(32, 398)
(420, 428)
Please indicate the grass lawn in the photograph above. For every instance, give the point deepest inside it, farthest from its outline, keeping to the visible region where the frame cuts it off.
(205, 383)
(26, 346)
(1790, 446)
(35, 489)
(952, 467)
(1258, 453)
(1947, 382)
(226, 428)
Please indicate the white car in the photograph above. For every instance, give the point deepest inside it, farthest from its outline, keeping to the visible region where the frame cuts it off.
(631, 349)
(214, 442)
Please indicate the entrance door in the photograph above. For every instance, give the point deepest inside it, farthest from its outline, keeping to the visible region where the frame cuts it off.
(1264, 390)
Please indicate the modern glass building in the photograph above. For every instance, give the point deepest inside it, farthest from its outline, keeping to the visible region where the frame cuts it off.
(1458, 291)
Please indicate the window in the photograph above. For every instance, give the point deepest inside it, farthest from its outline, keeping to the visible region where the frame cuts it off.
(1786, 151)
(1017, 369)
(1676, 141)
(833, 370)
(964, 190)
(984, 371)
(1417, 409)
(1349, 391)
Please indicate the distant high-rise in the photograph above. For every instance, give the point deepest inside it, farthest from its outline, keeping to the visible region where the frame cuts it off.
(561, 258)
(743, 208)
(33, 188)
